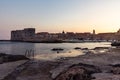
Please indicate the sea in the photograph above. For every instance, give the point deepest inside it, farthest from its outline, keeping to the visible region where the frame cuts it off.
(43, 50)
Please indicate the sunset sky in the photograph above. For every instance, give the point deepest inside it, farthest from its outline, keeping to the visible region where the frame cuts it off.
(59, 15)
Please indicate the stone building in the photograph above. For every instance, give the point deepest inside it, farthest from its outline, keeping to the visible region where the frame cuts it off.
(105, 36)
(45, 36)
(23, 35)
(17, 35)
(83, 36)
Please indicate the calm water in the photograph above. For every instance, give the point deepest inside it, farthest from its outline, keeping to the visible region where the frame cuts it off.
(43, 50)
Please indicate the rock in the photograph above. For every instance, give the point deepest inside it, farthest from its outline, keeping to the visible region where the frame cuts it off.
(9, 57)
(84, 48)
(2, 54)
(77, 48)
(87, 52)
(78, 72)
(91, 68)
(97, 48)
(116, 65)
(57, 49)
(115, 44)
(116, 69)
(74, 73)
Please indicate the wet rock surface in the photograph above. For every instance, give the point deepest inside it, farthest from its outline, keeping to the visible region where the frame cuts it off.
(9, 58)
(57, 49)
(37, 70)
(98, 48)
(78, 72)
(77, 48)
(115, 69)
(8, 69)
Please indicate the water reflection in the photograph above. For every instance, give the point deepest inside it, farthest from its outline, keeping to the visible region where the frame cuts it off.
(20, 48)
(16, 47)
(70, 53)
(43, 50)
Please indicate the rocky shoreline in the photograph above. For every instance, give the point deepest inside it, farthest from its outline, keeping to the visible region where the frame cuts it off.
(103, 66)
(107, 64)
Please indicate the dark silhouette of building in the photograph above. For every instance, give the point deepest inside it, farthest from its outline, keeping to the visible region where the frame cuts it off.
(23, 35)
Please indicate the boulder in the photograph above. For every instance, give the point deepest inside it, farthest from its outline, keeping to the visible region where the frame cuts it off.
(77, 48)
(116, 69)
(78, 72)
(57, 49)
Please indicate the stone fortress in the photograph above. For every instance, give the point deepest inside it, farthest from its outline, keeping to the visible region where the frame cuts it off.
(23, 35)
